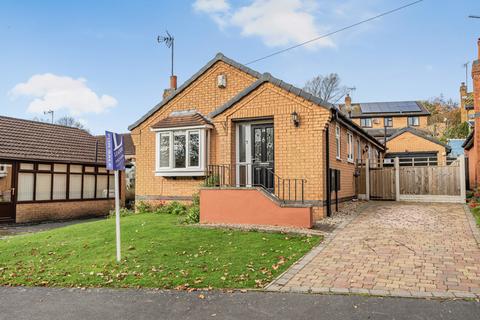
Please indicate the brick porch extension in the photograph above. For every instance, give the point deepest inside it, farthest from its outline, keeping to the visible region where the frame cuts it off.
(395, 249)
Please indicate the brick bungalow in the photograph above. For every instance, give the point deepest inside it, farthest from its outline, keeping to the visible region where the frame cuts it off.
(51, 172)
(271, 151)
(473, 140)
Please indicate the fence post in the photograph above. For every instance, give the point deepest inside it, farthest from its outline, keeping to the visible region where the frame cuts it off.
(367, 179)
(397, 179)
(463, 186)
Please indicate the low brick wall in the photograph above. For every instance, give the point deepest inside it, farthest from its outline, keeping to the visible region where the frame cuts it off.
(249, 206)
(31, 212)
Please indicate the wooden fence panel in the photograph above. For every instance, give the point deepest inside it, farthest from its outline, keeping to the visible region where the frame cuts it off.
(430, 180)
(382, 183)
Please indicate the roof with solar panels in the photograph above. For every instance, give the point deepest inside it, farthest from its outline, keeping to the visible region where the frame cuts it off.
(386, 109)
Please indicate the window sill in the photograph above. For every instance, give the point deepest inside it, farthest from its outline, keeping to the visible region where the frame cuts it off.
(339, 159)
(351, 161)
(180, 173)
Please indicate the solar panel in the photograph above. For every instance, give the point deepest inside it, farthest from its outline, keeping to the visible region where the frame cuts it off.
(390, 107)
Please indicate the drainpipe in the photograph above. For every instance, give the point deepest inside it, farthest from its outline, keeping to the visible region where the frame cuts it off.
(327, 171)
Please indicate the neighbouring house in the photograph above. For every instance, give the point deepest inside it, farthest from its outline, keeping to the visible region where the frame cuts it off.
(402, 126)
(51, 172)
(466, 104)
(473, 140)
(259, 150)
(410, 144)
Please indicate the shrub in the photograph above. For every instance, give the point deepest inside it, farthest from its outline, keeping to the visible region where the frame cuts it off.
(143, 207)
(123, 213)
(193, 211)
(174, 208)
(212, 181)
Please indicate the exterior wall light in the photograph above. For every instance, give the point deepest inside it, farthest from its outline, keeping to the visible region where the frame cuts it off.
(295, 118)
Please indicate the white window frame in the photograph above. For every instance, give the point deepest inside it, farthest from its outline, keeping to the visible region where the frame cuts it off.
(338, 137)
(415, 123)
(364, 121)
(171, 171)
(350, 147)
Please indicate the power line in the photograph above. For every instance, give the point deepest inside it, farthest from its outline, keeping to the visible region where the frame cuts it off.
(334, 32)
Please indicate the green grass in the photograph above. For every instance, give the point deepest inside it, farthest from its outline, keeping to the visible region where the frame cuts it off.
(476, 214)
(157, 253)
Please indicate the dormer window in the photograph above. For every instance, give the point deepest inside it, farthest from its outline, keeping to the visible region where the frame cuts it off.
(181, 145)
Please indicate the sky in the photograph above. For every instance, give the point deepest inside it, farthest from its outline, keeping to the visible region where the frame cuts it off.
(99, 61)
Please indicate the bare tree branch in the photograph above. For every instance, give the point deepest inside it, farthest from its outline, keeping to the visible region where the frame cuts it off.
(327, 88)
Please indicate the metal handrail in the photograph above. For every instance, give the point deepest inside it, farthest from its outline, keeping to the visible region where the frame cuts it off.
(285, 189)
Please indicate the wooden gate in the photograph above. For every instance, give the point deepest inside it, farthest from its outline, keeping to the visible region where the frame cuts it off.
(416, 180)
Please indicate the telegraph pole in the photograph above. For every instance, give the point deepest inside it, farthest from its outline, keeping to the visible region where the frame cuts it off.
(49, 111)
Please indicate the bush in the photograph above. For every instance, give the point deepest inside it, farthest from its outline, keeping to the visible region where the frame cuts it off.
(123, 213)
(193, 211)
(173, 208)
(143, 207)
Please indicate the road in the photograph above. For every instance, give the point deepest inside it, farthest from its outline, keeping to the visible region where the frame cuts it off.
(51, 304)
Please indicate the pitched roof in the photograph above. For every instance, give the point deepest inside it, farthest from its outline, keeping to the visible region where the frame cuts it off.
(421, 134)
(468, 143)
(182, 119)
(267, 77)
(127, 143)
(388, 108)
(217, 58)
(32, 140)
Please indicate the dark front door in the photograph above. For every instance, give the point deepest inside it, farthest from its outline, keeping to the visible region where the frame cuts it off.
(263, 156)
(7, 192)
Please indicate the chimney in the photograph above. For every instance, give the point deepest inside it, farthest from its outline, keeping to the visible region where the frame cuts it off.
(478, 44)
(173, 87)
(173, 83)
(463, 90)
(348, 104)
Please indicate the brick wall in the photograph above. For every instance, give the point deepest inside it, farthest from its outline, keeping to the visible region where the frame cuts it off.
(202, 95)
(299, 151)
(32, 212)
(397, 122)
(474, 161)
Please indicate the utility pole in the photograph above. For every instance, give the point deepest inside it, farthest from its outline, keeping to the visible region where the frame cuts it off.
(49, 111)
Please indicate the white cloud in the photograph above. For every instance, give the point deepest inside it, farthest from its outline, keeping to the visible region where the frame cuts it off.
(62, 93)
(211, 6)
(276, 22)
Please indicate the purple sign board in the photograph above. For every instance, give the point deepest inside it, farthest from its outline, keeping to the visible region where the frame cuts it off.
(115, 151)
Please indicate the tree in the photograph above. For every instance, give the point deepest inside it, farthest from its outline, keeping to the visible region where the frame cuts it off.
(71, 122)
(328, 87)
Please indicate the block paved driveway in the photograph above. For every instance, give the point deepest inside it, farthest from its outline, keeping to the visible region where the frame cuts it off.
(398, 249)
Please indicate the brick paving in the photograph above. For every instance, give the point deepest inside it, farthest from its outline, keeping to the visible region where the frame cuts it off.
(396, 249)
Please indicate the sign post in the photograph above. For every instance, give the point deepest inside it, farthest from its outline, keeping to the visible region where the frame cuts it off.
(115, 158)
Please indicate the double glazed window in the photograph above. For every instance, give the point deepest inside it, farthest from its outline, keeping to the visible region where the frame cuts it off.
(350, 147)
(366, 122)
(56, 182)
(413, 121)
(388, 122)
(180, 151)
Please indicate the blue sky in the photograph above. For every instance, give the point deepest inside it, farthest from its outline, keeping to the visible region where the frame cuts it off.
(99, 60)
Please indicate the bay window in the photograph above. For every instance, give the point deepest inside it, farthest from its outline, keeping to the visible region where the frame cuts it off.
(181, 152)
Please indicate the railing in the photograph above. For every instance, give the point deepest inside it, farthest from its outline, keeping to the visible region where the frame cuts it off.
(252, 175)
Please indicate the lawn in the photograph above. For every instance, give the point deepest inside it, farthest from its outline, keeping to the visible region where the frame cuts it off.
(158, 252)
(476, 214)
